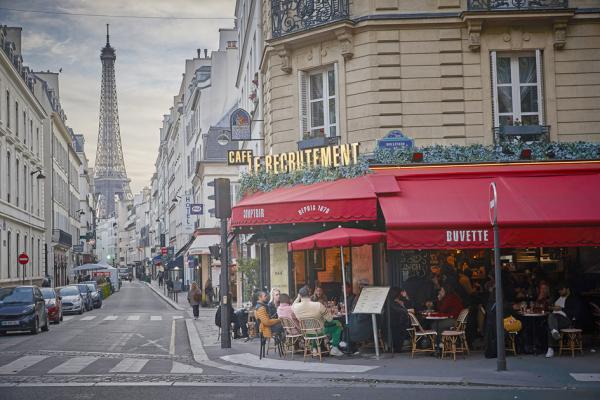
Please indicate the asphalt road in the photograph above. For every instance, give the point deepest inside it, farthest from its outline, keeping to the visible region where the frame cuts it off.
(135, 332)
(287, 392)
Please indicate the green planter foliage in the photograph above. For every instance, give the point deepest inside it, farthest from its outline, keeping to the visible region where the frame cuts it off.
(249, 269)
(434, 154)
(105, 290)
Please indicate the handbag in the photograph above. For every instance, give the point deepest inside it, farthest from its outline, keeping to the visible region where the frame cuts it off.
(511, 324)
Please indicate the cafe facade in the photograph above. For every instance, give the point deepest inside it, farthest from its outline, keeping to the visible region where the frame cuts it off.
(548, 216)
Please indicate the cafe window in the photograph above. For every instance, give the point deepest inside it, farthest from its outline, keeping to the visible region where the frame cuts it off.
(318, 102)
(517, 88)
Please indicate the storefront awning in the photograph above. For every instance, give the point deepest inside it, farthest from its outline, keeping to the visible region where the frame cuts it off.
(550, 205)
(343, 237)
(201, 243)
(337, 201)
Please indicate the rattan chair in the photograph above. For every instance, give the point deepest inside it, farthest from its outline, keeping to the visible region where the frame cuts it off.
(417, 333)
(312, 332)
(454, 340)
(293, 336)
(570, 340)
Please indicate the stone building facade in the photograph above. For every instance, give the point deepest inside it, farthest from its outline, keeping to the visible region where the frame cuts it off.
(441, 71)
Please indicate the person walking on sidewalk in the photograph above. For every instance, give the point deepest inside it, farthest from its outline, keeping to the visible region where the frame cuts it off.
(209, 292)
(195, 298)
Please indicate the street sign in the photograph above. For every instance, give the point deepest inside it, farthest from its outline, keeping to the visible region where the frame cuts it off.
(78, 248)
(395, 139)
(493, 210)
(196, 209)
(240, 125)
(23, 258)
(163, 251)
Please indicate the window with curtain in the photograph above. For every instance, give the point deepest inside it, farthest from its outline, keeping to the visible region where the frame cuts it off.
(318, 103)
(517, 84)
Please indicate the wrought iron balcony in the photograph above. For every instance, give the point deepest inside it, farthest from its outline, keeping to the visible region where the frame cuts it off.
(495, 5)
(290, 16)
(62, 238)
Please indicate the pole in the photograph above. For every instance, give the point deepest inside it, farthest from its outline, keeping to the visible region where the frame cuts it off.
(501, 361)
(225, 300)
(375, 338)
(344, 283)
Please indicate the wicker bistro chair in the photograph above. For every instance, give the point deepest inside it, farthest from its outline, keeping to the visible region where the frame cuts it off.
(570, 340)
(252, 333)
(293, 337)
(455, 340)
(312, 332)
(417, 333)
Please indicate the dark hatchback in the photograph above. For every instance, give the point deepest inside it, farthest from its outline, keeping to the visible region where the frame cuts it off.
(22, 308)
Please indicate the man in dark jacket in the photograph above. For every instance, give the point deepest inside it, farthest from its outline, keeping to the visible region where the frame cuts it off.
(567, 311)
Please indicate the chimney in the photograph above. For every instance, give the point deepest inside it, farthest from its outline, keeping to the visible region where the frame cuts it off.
(199, 51)
(205, 53)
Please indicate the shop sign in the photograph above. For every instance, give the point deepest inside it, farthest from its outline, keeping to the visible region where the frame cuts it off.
(314, 208)
(196, 209)
(340, 155)
(395, 139)
(240, 124)
(78, 248)
(467, 236)
(239, 157)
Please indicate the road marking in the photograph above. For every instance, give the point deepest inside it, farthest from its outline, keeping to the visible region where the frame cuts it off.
(121, 342)
(67, 318)
(73, 365)
(172, 345)
(177, 317)
(20, 364)
(131, 365)
(180, 368)
(110, 318)
(88, 318)
(156, 318)
(586, 377)
(133, 318)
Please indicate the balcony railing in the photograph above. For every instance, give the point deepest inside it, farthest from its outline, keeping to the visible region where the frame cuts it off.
(494, 5)
(290, 16)
(62, 238)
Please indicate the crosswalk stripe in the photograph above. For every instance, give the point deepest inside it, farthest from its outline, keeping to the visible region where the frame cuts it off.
(133, 318)
(177, 317)
(73, 365)
(179, 368)
(20, 364)
(88, 318)
(67, 318)
(110, 318)
(156, 318)
(131, 365)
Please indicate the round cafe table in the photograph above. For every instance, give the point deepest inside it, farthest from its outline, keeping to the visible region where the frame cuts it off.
(435, 318)
(533, 323)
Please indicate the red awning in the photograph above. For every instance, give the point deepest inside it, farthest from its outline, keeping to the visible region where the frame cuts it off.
(337, 237)
(552, 205)
(336, 201)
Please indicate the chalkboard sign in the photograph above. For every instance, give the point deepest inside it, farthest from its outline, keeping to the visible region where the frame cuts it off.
(416, 262)
(371, 300)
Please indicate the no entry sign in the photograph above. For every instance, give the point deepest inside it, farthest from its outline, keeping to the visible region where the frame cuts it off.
(23, 258)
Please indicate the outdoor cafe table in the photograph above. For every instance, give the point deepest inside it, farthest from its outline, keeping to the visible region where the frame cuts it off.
(534, 332)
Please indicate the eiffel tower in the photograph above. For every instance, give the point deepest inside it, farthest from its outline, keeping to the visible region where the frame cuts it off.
(110, 177)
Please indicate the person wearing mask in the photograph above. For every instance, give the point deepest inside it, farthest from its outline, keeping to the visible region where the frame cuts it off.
(305, 308)
(195, 298)
(566, 311)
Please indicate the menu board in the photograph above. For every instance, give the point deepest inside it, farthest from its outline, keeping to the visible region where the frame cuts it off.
(416, 262)
(371, 300)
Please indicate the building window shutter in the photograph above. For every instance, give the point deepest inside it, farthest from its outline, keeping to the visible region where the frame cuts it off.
(540, 87)
(303, 103)
(494, 89)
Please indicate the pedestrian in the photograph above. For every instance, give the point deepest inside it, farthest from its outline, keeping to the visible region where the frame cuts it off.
(160, 279)
(209, 292)
(195, 298)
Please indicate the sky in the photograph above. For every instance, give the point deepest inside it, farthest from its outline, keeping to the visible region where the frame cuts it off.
(151, 56)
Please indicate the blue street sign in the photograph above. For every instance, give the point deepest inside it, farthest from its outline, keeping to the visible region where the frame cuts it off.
(395, 139)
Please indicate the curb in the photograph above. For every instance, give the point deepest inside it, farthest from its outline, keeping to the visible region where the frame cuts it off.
(165, 298)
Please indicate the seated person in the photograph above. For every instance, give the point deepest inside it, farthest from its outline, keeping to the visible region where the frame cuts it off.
(399, 319)
(285, 310)
(305, 308)
(449, 303)
(350, 297)
(267, 324)
(232, 319)
(566, 311)
(319, 296)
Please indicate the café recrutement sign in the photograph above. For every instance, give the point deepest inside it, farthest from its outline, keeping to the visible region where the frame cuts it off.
(329, 156)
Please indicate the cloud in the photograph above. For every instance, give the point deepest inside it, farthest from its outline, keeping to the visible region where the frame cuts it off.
(151, 57)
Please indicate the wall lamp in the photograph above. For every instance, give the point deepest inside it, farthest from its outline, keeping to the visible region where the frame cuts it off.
(40, 174)
(176, 199)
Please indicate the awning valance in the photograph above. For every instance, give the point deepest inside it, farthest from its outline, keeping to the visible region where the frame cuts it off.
(337, 201)
(200, 244)
(550, 205)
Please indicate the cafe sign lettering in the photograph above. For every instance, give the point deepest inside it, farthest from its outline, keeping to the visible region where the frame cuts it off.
(467, 236)
(340, 155)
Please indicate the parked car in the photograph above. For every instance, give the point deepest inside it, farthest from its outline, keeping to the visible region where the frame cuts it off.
(86, 294)
(96, 295)
(23, 308)
(53, 304)
(72, 300)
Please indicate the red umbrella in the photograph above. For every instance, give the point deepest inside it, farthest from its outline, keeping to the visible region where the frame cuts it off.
(338, 237)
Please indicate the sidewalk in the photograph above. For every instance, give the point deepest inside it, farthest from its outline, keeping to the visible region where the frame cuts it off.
(526, 370)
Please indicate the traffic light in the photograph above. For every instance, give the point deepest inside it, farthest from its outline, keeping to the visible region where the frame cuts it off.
(222, 197)
(215, 251)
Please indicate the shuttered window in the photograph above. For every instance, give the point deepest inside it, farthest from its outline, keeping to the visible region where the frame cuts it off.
(318, 108)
